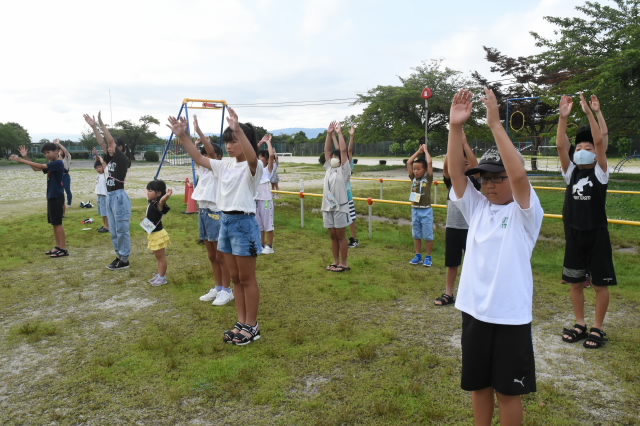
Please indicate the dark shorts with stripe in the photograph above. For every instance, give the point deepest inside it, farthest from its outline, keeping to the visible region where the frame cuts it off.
(588, 253)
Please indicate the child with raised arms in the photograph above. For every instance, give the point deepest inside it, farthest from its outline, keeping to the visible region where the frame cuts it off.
(420, 169)
(264, 198)
(157, 237)
(210, 218)
(239, 238)
(101, 191)
(495, 293)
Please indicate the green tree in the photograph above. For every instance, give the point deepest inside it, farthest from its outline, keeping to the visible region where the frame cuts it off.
(13, 135)
(395, 148)
(300, 137)
(598, 52)
(136, 135)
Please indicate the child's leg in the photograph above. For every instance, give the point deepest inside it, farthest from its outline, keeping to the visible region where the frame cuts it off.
(335, 245)
(248, 282)
(482, 403)
(268, 238)
(354, 230)
(429, 244)
(58, 234)
(452, 274)
(231, 266)
(510, 406)
(105, 222)
(343, 246)
(418, 245)
(215, 259)
(602, 305)
(161, 260)
(577, 301)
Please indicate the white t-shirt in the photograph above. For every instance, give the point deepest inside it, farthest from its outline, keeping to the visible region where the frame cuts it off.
(237, 187)
(335, 196)
(205, 191)
(264, 187)
(496, 285)
(101, 184)
(601, 175)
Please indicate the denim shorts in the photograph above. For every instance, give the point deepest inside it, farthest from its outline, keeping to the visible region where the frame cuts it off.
(102, 205)
(209, 224)
(239, 235)
(422, 223)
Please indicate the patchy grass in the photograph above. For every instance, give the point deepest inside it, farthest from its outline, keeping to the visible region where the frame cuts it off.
(81, 344)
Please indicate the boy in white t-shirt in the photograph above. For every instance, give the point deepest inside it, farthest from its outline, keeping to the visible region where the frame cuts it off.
(101, 192)
(495, 293)
(264, 198)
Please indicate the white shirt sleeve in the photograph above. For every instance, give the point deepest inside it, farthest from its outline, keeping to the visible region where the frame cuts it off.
(216, 166)
(601, 175)
(567, 175)
(469, 201)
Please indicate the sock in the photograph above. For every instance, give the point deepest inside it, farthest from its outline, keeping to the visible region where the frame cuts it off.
(227, 289)
(219, 288)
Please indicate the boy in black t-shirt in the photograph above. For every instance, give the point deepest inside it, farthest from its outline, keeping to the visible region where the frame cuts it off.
(54, 170)
(588, 256)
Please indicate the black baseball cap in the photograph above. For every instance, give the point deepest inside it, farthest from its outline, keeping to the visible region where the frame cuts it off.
(491, 162)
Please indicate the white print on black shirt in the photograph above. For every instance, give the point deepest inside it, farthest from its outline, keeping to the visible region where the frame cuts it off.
(579, 187)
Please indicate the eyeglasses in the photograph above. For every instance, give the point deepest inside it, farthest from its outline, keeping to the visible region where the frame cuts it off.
(494, 179)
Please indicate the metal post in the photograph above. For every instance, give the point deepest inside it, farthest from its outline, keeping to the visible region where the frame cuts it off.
(301, 203)
(370, 202)
(435, 194)
(381, 189)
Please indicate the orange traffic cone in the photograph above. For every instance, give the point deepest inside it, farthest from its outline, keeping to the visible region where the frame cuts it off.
(192, 206)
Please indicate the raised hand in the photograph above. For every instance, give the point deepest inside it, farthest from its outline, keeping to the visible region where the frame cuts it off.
(56, 141)
(91, 121)
(566, 104)
(460, 110)
(13, 157)
(584, 104)
(232, 120)
(196, 126)
(100, 119)
(168, 194)
(332, 127)
(338, 127)
(490, 101)
(24, 152)
(352, 130)
(178, 127)
(595, 103)
(265, 139)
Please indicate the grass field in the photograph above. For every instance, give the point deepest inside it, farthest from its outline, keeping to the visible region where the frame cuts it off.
(83, 345)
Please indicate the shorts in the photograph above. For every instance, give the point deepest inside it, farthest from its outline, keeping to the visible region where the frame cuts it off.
(239, 235)
(275, 178)
(498, 356)
(55, 210)
(352, 211)
(102, 205)
(334, 219)
(209, 224)
(158, 240)
(264, 215)
(422, 223)
(455, 245)
(588, 252)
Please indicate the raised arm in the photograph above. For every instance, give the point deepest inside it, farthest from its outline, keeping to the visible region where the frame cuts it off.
(249, 153)
(428, 159)
(342, 144)
(111, 143)
(352, 140)
(328, 145)
(91, 121)
(272, 152)
(203, 138)
(471, 156)
(562, 140)
(163, 201)
(34, 166)
(24, 153)
(511, 158)
(459, 113)
(604, 133)
(179, 128)
(104, 165)
(411, 159)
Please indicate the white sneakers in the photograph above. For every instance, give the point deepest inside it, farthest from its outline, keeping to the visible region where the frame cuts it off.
(209, 296)
(268, 250)
(223, 298)
(219, 298)
(157, 281)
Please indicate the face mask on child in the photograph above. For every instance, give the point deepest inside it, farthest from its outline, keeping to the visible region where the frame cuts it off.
(335, 162)
(584, 157)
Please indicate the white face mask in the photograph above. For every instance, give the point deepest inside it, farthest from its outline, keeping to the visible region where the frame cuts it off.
(584, 157)
(335, 162)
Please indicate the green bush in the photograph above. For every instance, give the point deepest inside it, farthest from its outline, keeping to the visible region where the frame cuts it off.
(411, 146)
(151, 156)
(395, 148)
(321, 159)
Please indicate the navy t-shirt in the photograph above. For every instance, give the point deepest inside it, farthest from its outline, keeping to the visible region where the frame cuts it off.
(155, 215)
(54, 171)
(117, 166)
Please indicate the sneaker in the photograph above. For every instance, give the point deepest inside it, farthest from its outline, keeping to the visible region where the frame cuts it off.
(87, 221)
(427, 261)
(102, 230)
(159, 281)
(112, 264)
(209, 296)
(223, 298)
(268, 250)
(119, 265)
(153, 278)
(353, 243)
(416, 260)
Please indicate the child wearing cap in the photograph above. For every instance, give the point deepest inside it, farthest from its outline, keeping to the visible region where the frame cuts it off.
(588, 251)
(495, 292)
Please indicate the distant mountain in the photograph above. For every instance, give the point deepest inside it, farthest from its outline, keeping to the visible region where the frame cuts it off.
(311, 133)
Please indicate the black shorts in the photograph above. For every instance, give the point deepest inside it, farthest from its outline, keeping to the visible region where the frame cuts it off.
(497, 356)
(588, 252)
(455, 245)
(55, 210)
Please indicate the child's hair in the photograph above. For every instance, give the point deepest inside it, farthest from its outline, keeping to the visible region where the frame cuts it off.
(249, 132)
(97, 163)
(49, 146)
(264, 153)
(337, 153)
(158, 186)
(216, 150)
(125, 149)
(584, 135)
(421, 160)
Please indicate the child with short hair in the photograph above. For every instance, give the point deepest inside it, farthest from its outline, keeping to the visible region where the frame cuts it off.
(275, 177)
(264, 198)
(588, 252)
(239, 239)
(210, 219)
(54, 170)
(335, 202)
(65, 156)
(495, 293)
(157, 237)
(101, 192)
(421, 174)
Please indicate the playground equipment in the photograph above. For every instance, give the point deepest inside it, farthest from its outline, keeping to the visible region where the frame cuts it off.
(426, 95)
(174, 153)
(621, 163)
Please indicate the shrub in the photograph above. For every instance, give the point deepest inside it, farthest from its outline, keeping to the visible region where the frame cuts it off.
(411, 146)
(395, 148)
(151, 156)
(321, 159)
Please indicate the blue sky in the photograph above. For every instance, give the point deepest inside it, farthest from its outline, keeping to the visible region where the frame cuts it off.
(66, 56)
